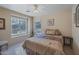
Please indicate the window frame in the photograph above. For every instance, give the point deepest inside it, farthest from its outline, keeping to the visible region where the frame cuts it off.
(20, 34)
(37, 30)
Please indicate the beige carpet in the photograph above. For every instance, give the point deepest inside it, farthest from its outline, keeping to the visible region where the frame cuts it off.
(15, 50)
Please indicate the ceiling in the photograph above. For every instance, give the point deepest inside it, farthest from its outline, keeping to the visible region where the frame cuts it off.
(45, 9)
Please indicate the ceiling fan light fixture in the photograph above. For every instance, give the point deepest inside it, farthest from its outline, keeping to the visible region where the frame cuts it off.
(35, 9)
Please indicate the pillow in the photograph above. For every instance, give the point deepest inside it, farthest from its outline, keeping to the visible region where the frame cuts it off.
(53, 32)
(39, 35)
(50, 32)
(57, 32)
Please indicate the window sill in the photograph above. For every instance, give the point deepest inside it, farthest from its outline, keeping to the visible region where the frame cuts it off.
(16, 36)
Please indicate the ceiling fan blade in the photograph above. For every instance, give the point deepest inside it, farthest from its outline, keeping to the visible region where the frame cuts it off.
(28, 11)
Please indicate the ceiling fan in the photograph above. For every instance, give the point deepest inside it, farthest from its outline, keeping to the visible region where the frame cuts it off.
(34, 9)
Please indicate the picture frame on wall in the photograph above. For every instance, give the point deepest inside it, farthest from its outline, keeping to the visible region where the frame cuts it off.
(77, 16)
(2, 23)
(50, 22)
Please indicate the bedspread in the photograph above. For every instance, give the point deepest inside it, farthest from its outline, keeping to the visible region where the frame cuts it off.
(43, 46)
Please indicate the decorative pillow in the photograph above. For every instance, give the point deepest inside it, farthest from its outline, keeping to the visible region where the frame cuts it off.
(39, 35)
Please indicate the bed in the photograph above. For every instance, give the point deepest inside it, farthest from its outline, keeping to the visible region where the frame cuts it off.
(44, 45)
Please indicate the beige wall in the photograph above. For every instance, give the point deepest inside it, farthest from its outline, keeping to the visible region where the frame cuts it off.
(6, 33)
(63, 21)
(75, 32)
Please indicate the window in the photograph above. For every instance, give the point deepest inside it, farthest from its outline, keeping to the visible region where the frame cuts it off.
(38, 27)
(18, 26)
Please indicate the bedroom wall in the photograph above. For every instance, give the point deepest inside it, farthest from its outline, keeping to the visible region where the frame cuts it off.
(75, 32)
(6, 33)
(63, 21)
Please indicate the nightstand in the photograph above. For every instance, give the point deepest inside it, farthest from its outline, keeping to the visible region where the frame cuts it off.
(68, 41)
